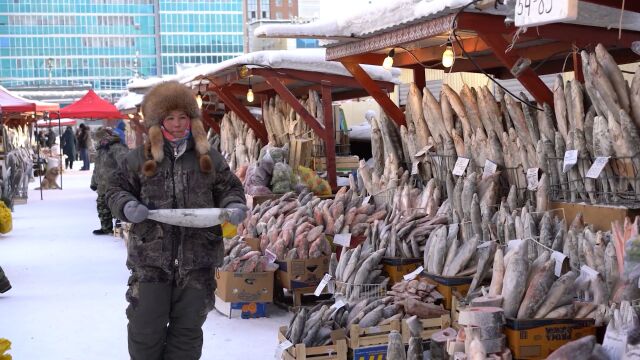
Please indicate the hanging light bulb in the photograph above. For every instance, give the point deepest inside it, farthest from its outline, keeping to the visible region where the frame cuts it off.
(250, 95)
(141, 115)
(448, 57)
(199, 99)
(388, 61)
(131, 116)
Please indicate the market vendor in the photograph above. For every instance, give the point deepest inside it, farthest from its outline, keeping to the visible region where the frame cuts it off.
(172, 283)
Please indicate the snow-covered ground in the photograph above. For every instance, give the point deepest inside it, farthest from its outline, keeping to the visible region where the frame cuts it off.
(67, 300)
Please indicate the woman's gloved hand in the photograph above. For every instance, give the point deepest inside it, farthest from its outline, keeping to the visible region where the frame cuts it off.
(237, 213)
(135, 211)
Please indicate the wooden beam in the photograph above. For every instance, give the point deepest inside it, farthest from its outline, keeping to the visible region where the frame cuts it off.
(210, 122)
(527, 77)
(243, 113)
(581, 35)
(329, 135)
(617, 4)
(290, 99)
(348, 95)
(316, 78)
(577, 66)
(388, 106)
(419, 77)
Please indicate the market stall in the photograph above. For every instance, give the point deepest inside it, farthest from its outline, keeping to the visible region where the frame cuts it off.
(18, 115)
(473, 154)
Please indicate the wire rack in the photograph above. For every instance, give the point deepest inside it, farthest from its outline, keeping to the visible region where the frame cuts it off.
(618, 184)
(384, 197)
(358, 292)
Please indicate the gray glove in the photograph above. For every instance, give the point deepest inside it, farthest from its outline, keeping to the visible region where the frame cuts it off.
(237, 213)
(135, 211)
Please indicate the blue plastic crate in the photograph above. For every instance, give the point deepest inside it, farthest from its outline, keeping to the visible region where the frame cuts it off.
(378, 352)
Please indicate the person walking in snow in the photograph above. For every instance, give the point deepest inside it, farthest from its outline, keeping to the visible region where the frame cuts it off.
(5, 285)
(69, 143)
(171, 288)
(110, 152)
(83, 146)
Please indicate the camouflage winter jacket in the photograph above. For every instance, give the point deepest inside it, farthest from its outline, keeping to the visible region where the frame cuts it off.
(108, 157)
(159, 252)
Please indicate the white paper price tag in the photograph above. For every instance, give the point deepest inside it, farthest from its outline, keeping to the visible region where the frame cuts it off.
(591, 273)
(532, 179)
(282, 347)
(461, 166)
(570, 159)
(597, 167)
(489, 168)
(343, 240)
(338, 304)
(271, 257)
(325, 280)
(539, 12)
(366, 199)
(412, 275)
(559, 258)
(414, 168)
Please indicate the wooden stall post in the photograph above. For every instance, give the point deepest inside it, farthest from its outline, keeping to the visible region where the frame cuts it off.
(329, 132)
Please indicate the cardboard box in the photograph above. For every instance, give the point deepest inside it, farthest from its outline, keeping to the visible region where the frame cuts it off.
(254, 243)
(250, 287)
(449, 286)
(248, 310)
(343, 163)
(377, 352)
(396, 268)
(600, 216)
(302, 273)
(537, 339)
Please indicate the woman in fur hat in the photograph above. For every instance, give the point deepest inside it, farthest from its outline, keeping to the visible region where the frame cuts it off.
(172, 284)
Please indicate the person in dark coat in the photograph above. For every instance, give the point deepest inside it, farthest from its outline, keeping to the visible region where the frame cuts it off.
(109, 153)
(83, 146)
(69, 143)
(172, 283)
(51, 138)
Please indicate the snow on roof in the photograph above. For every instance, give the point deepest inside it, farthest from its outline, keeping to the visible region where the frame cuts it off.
(299, 59)
(129, 101)
(145, 83)
(355, 24)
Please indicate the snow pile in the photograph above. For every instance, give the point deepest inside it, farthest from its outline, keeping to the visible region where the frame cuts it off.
(299, 59)
(354, 24)
(129, 101)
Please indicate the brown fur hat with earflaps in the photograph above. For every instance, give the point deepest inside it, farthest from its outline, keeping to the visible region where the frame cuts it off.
(156, 105)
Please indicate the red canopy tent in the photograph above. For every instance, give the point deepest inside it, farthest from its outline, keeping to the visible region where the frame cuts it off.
(56, 122)
(10, 103)
(91, 106)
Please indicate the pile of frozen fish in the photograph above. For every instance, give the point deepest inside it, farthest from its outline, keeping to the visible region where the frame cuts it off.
(418, 298)
(239, 257)
(358, 274)
(294, 226)
(284, 124)
(15, 137)
(238, 143)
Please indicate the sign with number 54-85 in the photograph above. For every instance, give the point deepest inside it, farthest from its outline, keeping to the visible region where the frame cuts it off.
(538, 12)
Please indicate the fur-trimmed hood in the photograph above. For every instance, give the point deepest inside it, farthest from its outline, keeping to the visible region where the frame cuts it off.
(156, 105)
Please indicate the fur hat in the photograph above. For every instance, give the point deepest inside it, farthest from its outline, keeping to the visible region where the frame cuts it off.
(156, 106)
(104, 132)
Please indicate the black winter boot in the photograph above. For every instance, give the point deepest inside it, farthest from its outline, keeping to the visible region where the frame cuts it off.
(4, 282)
(101, 232)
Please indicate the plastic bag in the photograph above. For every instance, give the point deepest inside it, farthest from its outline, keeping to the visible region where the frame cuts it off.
(281, 180)
(624, 320)
(6, 222)
(317, 185)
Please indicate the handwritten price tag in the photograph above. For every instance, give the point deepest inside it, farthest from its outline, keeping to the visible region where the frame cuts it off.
(343, 240)
(512, 244)
(591, 273)
(559, 258)
(282, 347)
(534, 13)
(570, 159)
(323, 283)
(412, 275)
(338, 304)
(532, 179)
(461, 166)
(597, 167)
(366, 199)
(489, 168)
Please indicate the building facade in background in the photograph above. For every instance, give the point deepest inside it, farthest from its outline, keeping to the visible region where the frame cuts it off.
(104, 43)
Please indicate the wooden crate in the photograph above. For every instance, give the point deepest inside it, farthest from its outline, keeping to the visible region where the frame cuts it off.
(343, 163)
(600, 216)
(300, 153)
(375, 335)
(429, 327)
(337, 351)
